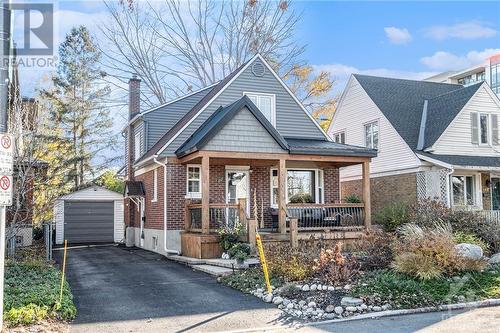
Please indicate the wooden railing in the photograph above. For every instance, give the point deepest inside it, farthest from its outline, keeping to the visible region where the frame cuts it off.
(220, 215)
(327, 216)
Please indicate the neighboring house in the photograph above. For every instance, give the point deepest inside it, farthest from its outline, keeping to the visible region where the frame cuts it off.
(488, 71)
(216, 151)
(434, 140)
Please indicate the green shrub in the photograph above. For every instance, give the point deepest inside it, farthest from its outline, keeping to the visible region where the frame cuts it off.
(32, 291)
(228, 237)
(248, 280)
(239, 251)
(352, 198)
(392, 216)
(463, 237)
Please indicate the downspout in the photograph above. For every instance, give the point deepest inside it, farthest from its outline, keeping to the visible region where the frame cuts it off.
(167, 250)
(448, 185)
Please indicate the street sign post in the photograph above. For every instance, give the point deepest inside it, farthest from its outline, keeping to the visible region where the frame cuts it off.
(6, 169)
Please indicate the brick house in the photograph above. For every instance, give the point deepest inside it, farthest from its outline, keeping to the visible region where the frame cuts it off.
(434, 140)
(201, 162)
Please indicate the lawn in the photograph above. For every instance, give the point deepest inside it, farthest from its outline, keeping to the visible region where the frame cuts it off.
(32, 294)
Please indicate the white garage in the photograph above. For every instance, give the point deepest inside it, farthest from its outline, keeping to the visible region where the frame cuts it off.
(90, 216)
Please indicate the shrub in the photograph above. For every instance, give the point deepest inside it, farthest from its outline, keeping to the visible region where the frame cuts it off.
(463, 237)
(239, 251)
(352, 198)
(428, 253)
(26, 315)
(301, 198)
(228, 237)
(333, 267)
(248, 280)
(392, 216)
(374, 250)
(427, 212)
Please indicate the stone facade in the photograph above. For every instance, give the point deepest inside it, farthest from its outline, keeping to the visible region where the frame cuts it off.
(385, 190)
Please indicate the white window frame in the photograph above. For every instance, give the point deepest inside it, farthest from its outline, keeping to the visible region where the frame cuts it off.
(474, 190)
(319, 186)
(193, 195)
(371, 123)
(137, 145)
(155, 185)
(339, 134)
(488, 129)
(273, 103)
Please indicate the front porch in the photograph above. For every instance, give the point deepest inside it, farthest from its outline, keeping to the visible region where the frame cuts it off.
(261, 192)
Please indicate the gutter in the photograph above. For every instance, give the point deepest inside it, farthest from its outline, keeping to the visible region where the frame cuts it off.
(165, 247)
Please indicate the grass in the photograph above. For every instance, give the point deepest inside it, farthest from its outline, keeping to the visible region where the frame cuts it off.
(249, 280)
(402, 291)
(32, 294)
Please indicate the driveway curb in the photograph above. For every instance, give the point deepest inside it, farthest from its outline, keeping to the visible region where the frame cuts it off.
(390, 313)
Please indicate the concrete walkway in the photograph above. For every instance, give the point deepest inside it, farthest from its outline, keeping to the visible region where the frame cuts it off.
(122, 290)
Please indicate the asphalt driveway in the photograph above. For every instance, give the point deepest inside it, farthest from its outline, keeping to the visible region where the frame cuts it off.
(131, 290)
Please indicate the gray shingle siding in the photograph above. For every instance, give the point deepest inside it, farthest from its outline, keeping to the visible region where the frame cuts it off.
(160, 120)
(244, 133)
(290, 119)
(139, 127)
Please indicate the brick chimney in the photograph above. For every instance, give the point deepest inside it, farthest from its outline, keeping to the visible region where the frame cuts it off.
(134, 107)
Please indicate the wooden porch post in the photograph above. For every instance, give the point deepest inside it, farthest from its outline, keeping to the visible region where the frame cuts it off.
(281, 196)
(205, 194)
(366, 194)
(187, 215)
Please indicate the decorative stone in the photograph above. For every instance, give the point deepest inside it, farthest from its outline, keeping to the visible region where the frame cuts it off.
(305, 287)
(312, 304)
(331, 288)
(347, 287)
(289, 306)
(330, 316)
(277, 300)
(377, 308)
(330, 308)
(495, 259)
(351, 301)
(302, 303)
(339, 310)
(314, 287)
(385, 307)
(363, 306)
(267, 298)
(471, 251)
(286, 301)
(351, 309)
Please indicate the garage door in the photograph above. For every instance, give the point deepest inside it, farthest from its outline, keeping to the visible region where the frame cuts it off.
(88, 222)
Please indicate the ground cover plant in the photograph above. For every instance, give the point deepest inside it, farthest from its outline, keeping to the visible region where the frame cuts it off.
(32, 294)
(249, 280)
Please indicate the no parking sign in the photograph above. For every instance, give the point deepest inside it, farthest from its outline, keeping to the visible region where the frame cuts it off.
(6, 169)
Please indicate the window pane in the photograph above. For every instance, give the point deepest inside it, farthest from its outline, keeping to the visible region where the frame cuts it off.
(483, 122)
(342, 137)
(265, 106)
(301, 186)
(368, 141)
(469, 186)
(194, 186)
(193, 173)
(253, 98)
(275, 196)
(458, 190)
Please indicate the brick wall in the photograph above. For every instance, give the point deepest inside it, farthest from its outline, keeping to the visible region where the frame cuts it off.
(176, 190)
(331, 183)
(260, 182)
(385, 190)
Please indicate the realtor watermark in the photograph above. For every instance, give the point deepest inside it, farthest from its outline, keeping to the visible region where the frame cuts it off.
(33, 36)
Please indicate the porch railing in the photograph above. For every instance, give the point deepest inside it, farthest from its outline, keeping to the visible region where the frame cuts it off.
(492, 216)
(220, 215)
(327, 216)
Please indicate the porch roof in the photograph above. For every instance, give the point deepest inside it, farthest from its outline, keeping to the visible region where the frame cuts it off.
(464, 160)
(323, 147)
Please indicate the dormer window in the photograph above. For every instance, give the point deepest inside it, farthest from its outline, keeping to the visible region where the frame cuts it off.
(266, 103)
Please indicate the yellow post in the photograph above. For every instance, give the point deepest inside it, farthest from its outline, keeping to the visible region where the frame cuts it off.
(263, 262)
(63, 271)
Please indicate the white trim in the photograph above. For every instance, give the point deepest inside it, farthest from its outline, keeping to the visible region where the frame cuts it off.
(155, 185)
(317, 186)
(371, 123)
(434, 161)
(74, 195)
(193, 195)
(226, 192)
(273, 104)
(340, 132)
(341, 100)
(476, 191)
(237, 167)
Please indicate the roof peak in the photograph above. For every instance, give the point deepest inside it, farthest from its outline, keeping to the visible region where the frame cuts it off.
(356, 75)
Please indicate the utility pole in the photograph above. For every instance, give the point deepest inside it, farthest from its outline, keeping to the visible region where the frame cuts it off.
(5, 41)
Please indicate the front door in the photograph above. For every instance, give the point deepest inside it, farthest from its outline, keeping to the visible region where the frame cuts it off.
(237, 187)
(495, 193)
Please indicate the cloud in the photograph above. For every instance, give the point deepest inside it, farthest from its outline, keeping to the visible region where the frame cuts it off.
(443, 60)
(464, 30)
(341, 73)
(397, 35)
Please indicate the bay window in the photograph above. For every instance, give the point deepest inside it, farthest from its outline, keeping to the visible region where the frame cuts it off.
(463, 190)
(302, 186)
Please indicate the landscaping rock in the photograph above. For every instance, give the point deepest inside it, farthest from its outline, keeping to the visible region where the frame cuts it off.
(277, 300)
(305, 287)
(330, 316)
(495, 259)
(363, 306)
(302, 303)
(314, 287)
(267, 298)
(331, 288)
(351, 309)
(351, 301)
(386, 307)
(289, 306)
(377, 308)
(347, 287)
(312, 304)
(339, 310)
(286, 301)
(467, 250)
(330, 308)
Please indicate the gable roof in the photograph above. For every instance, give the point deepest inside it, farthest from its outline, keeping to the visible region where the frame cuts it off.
(401, 101)
(441, 111)
(219, 119)
(465, 160)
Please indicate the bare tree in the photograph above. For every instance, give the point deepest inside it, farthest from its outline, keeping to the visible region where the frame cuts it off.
(177, 46)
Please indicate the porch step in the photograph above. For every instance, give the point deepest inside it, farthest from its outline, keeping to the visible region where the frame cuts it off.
(187, 260)
(230, 263)
(213, 270)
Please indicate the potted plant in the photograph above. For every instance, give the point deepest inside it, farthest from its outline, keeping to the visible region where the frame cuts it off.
(240, 252)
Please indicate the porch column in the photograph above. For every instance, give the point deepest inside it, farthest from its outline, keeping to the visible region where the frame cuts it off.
(281, 197)
(366, 194)
(205, 194)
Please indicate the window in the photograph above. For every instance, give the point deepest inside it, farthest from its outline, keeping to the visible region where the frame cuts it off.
(193, 180)
(302, 185)
(137, 146)
(483, 128)
(463, 190)
(339, 137)
(266, 104)
(155, 185)
(371, 135)
(495, 78)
